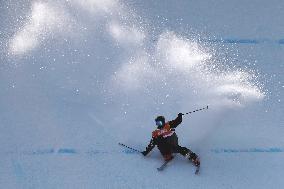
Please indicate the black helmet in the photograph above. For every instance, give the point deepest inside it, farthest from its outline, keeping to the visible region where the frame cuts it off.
(160, 121)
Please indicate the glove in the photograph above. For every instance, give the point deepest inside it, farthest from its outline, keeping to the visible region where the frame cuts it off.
(144, 153)
(180, 114)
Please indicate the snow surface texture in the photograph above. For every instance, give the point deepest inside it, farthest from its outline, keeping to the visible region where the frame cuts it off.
(79, 76)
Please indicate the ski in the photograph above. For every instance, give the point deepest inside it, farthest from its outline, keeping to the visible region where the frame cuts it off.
(197, 166)
(129, 147)
(197, 170)
(162, 167)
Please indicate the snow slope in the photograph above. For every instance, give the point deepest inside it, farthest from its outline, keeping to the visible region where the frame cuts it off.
(77, 77)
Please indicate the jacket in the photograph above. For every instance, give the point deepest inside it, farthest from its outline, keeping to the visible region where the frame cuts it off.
(163, 137)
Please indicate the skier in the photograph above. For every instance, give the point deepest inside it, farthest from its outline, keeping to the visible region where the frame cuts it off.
(167, 141)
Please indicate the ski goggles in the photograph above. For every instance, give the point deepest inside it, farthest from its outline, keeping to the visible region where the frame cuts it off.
(159, 123)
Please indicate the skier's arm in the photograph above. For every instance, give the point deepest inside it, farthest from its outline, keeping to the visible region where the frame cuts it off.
(149, 148)
(174, 123)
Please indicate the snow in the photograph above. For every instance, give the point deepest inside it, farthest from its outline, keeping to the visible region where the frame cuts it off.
(78, 77)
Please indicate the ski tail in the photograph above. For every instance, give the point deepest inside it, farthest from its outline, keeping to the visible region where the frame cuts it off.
(197, 170)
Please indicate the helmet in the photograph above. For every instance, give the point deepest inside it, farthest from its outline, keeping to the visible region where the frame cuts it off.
(160, 121)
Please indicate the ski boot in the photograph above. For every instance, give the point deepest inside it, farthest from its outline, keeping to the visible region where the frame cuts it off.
(193, 158)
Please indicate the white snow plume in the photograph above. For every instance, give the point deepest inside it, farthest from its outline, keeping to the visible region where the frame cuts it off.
(126, 35)
(96, 6)
(169, 75)
(186, 69)
(52, 18)
(235, 88)
(45, 20)
(179, 54)
(131, 75)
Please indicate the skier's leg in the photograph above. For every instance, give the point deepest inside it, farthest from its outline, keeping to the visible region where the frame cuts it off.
(176, 148)
(188, 154)
(193, 157)
(181, 150)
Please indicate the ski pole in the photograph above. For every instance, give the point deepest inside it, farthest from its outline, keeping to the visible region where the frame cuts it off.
(196, 110)
(129, 147)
